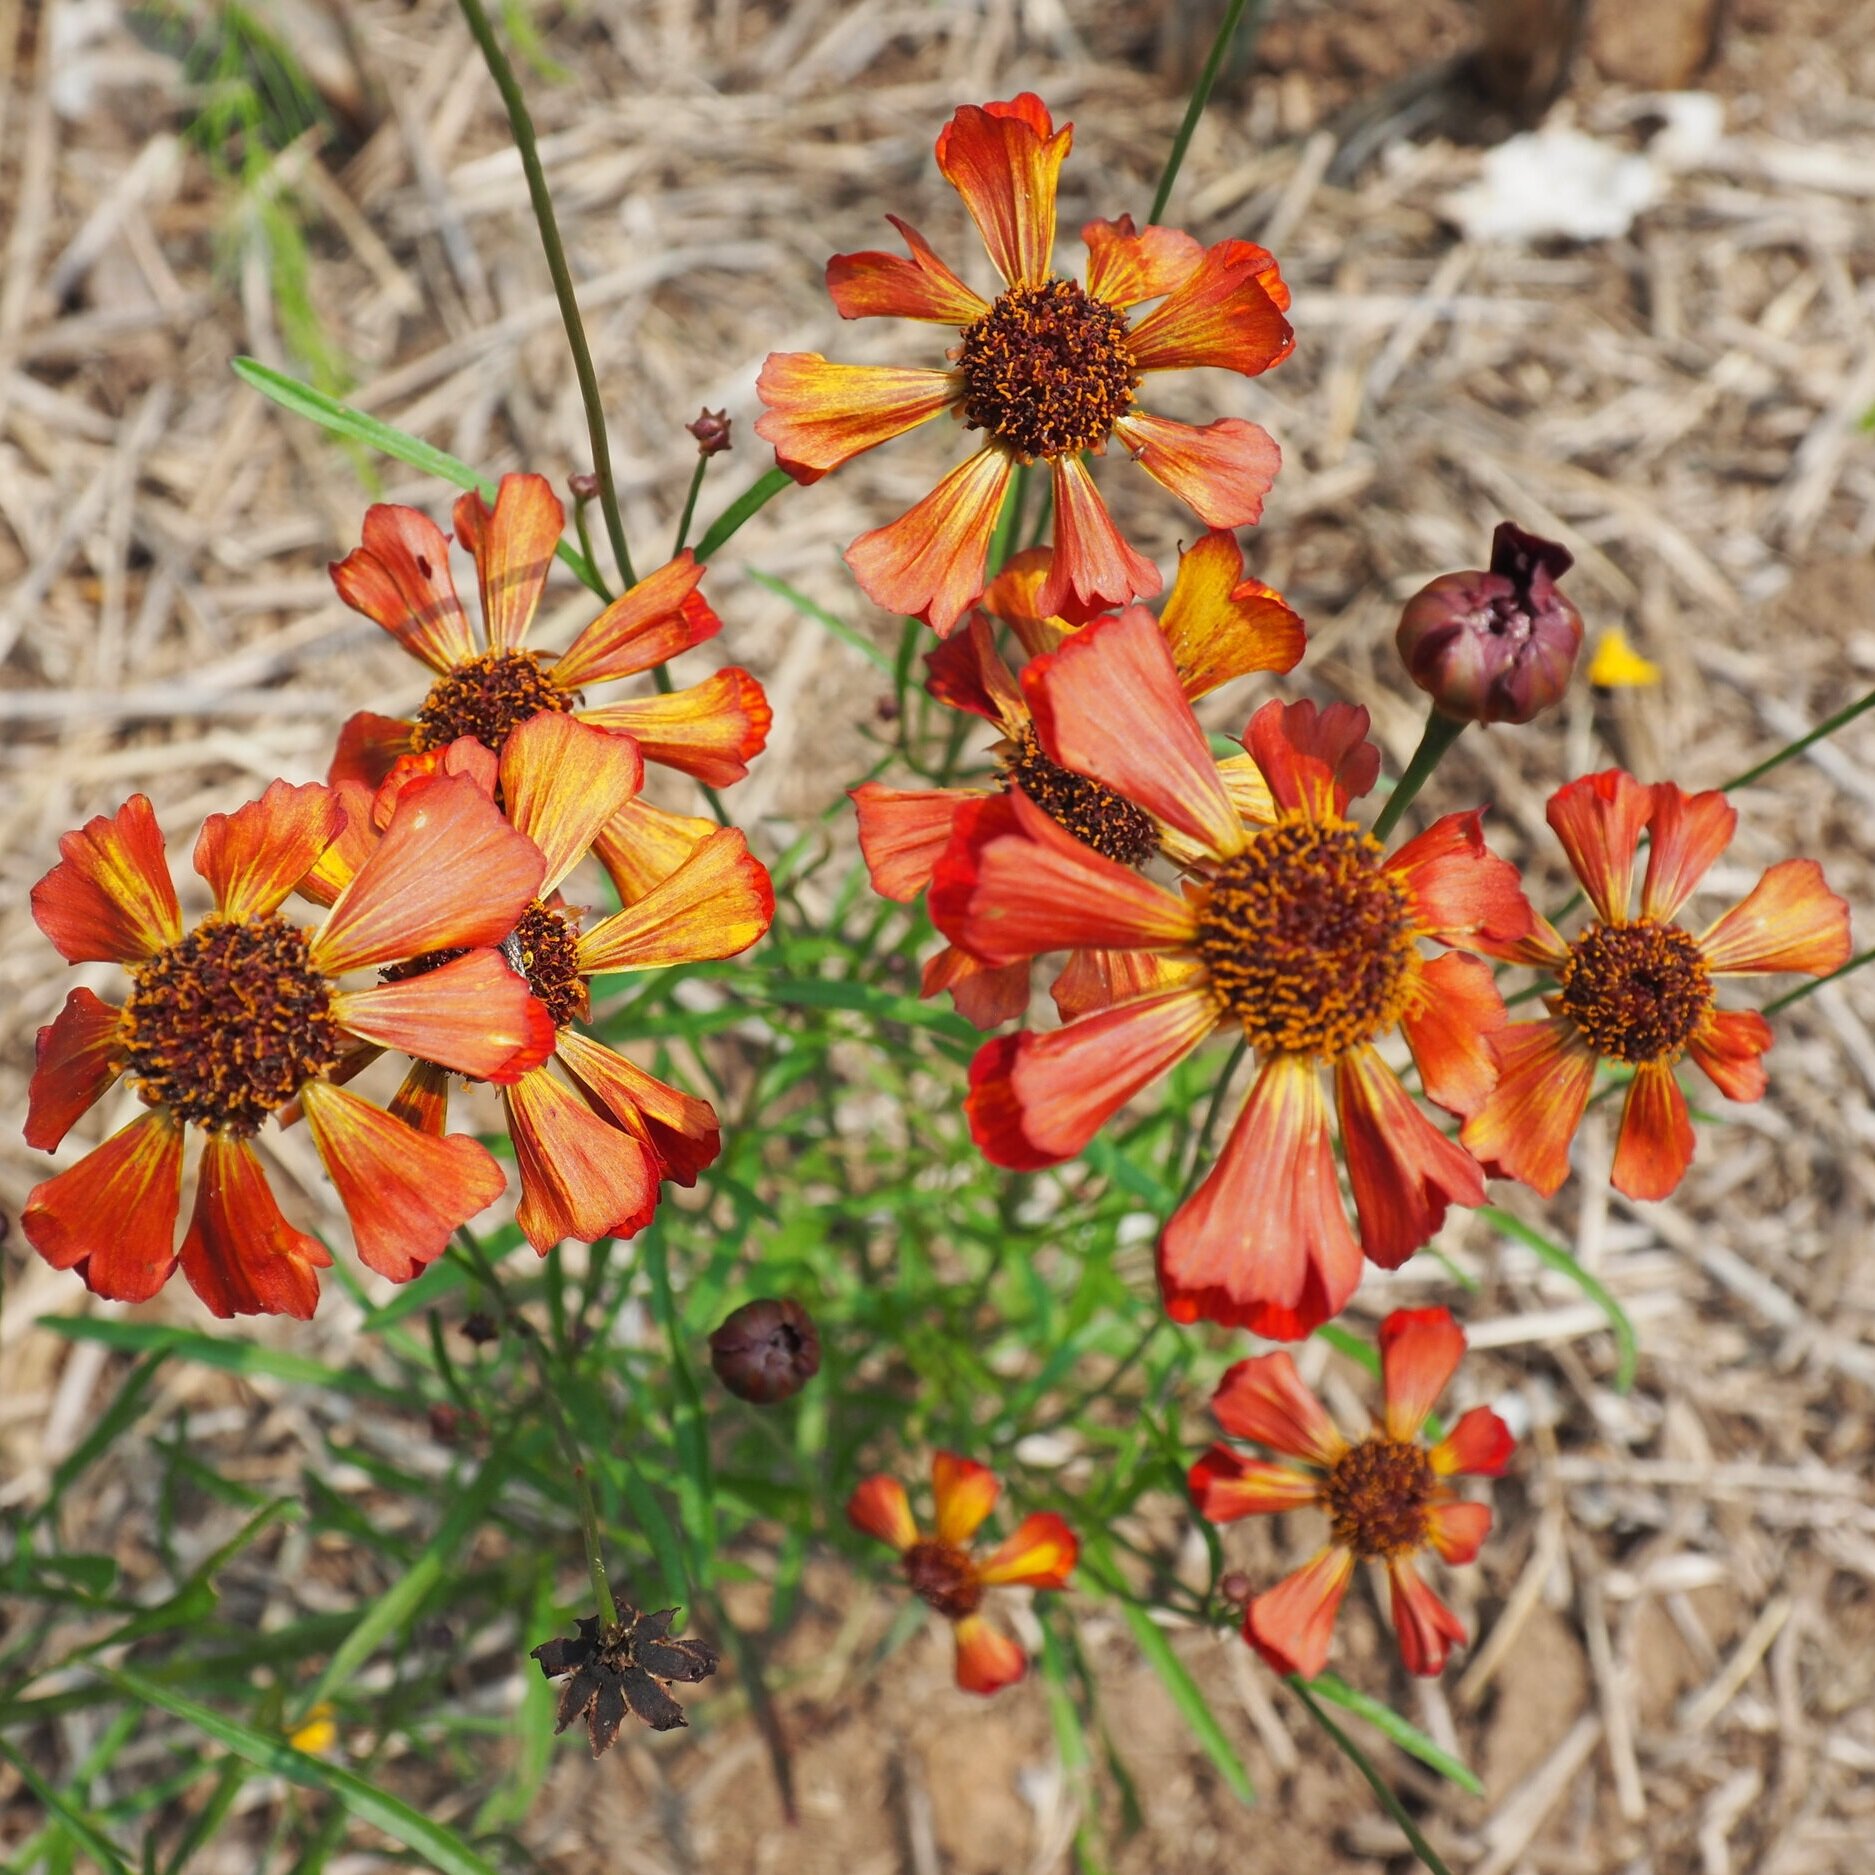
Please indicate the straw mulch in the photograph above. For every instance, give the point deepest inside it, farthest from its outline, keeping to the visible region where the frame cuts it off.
(1676, 1621)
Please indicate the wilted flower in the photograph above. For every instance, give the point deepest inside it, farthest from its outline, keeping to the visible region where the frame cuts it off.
(629, 1666)
(711, 430)
(767, 1350)
(1495, 647)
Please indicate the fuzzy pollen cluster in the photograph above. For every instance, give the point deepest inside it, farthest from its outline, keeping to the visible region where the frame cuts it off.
(487, 698)
(1637, 992)
(1377, 1495)
(1095, 815)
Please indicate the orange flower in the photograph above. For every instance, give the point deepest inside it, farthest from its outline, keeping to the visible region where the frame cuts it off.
(1640, 991)
(1219, 624)
(1040, 1554)
(1385, 1495)
(1302, 935)
(400, 577)
(236, 1018)
(1047, 371)
(590, 1155)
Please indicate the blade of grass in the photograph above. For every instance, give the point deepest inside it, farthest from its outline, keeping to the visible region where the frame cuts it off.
(745, 506)
(821, 616)
(1189, 1698)
(71, 1819)
(1403, 1732)
(1627, 1344)
(231, 1354)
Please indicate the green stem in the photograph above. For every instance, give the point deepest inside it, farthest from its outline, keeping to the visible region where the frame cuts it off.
(1440, 733)
(523, 128)
(1200, 96)
(690, 503)
(1809, 989)
(1827, 727)
(1203, 1149)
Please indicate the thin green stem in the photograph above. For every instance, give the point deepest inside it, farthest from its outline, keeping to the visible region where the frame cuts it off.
(585, 547)
(1202, 1150)
(1440, 733)
(522, 125)
(690, 503)
(1809, 989)
(1827, 727)
(1200, 96)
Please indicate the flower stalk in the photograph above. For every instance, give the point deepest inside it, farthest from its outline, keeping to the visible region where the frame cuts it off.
(1440, 733)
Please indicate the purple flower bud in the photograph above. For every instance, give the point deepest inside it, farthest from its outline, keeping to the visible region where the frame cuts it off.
(582, 485)
(711, 430)
(765, 1351)
(1495, 647)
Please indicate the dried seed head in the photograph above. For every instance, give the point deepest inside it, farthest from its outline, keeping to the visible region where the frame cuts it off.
(625, 1668)
(767, 1350)
(711, 430)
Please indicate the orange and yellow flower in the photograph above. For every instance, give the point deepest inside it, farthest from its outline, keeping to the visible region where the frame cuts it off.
(1219, 624)
(400, 578)
(1385, 1496)
(1639, 992)
(1047, 371)
(245, 1013)
(1039, 1554)
(1301, 935)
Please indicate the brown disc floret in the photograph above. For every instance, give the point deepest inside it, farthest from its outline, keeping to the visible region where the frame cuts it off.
(544, 948)
(1094, 814)
(1637, 992)
(1377, 1497)
(945, 1577)
(487, 698)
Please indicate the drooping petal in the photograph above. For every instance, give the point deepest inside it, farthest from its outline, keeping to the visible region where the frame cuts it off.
(399, 578)
(1263, 1399)
(333, 870)
(563, 780)
(254, 857)
(1544, 1073)
(1093, 567)
(903, 833)
(718, 902)
(1403, 1171)
(449, 874)
(968, 672)
(110, 898)
(1127, 264)
(1109, 704)
(1462, 892)
(581, 1176)
(1449, 1028)
(1221, 625)
(1264, 1243)
(422, 1099)
(1097, 979)
(1220, 471)
(929, 563)
(368, 746)
(112, 1216)
(1728, 1044)
(1220, 314)
(1420, 1350)
(987, 1659)
(513, 547)
(1479, 1444)
(1790, 920)
(711, 731)
(405, 1192)
(1005, 160)
(821, 414)
(986, 995)
(1040, 1553)
(874, 285)
(1315, 760)
(1292, 1624)
(241, 1256)
(1427, 1629)
(473, 1014)
(1655, 1144)
(964, 1493)
(1686, 834)
(1599, 820)
(1225, 1487)
(1036, 1099)
(76, 1057)
(1014, 597)
(641, 846)
(1457, 1529)
(645, 626)
(678, 1127)
(880, 1508)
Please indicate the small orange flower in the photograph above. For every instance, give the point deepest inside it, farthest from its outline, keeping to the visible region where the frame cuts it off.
(1386, 1495)
(1040, 1554)
(244, 1014)
(400, 578)
(1048, 371)
(1639, 991)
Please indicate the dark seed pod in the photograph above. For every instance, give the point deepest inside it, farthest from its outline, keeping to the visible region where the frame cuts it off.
(711, 430)
(767, 1350)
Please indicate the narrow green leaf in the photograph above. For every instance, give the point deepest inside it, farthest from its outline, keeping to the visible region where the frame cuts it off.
(1189, 1698)
(749, 503)
(114, 1419)
(1627, 1344)
(821, 616)
(1403, 1732)
(71, 1819)
(228, 1353)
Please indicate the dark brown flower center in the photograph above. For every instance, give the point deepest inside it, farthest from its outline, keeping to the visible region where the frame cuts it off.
(1377, 1497)
(1636, 991)
(544, 948)
(945, 1578)
(1094, 814)
(1307, 940)
(486, 698)
(1047, 370)
(229, 1023)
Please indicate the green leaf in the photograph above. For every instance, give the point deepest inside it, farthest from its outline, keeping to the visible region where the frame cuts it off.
(229, 1353)
(1403, 1732)
(72, 1820)
(1189, 1698)
(747, 504)
(1627, 1344)
(114, 1419)
(821, 616)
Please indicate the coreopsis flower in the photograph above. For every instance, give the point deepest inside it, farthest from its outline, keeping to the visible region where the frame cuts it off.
(1640, 992)
(1047, 371)
(400, 578)
(627, 1667)
(591, 1155)
(245, 1013)
(1040, 1553)
(1386, 1496)
(1302, 936)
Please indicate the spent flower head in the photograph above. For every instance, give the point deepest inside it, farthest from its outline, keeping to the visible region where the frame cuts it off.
(627, 1667)
(766, 1351)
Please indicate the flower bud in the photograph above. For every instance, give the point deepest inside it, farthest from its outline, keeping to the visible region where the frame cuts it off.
(711, 430)
(582, 485)
(1495, 647)
(765, 1351)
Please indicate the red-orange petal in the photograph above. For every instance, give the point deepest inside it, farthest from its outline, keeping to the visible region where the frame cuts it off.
(930, 562)
(563, 780)
(1263, 1399)
(1655, 1144)
(1449, 1028)
(405, 1192)
(368, 748)
(112, 1216)
(332, 871)
(1686, 834)
(110, 898)
(647, 625)
(422, 1099)
(987, 1659)
(449, 874)
(903, 833)
(1599, 819)
(1264, 1242)
(1479, 1444)
(399, 577)
(1457, 1529)
(641, 846)
(969, 673)
(1315, 760)
(718, 902)
(1420, 1350)
(678, 1127)
(1463, 893)
(821, 414)
(874, 285)
(1292, 1624)
(1221, 314)
(581, 1176)
(1220, 471)
(1221, 625)
(1225, 1487)
(1427, 1629)
(1790, 920)
(1097, 979)
(1014, 594)
(473, 1014)
(1128, 264)
(1729, 1045)
(513, 547)
(881, 1509)
(1093, 567)
(76, 1058)
(1040, 1553)
(254, 857)
(1109, 704)
(241, 1256)
(1005, 160)
(985, 995)
(1544, 1073)
(1403, 1171)
(964, 1493)
(712, 731)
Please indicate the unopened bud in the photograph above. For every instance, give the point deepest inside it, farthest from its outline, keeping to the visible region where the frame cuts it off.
(1497, 646)
(711, 430)
(1235, 1587)
(765, 1351)
(479, 1326)
(582, 486)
